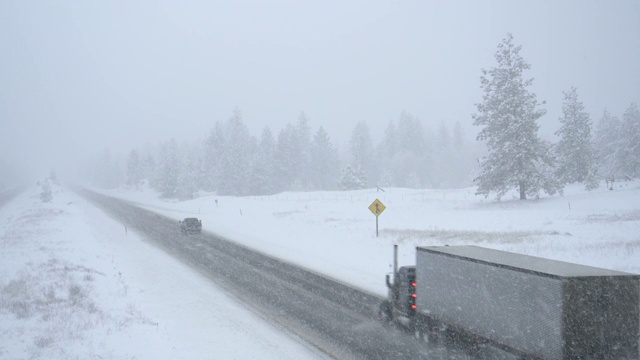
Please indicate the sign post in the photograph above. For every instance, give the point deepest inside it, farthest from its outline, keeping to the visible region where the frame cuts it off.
(377, 208)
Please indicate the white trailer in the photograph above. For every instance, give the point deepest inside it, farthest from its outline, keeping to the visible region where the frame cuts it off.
(532, 307)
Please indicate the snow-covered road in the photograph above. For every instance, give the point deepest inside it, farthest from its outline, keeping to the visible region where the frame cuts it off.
(75, 285)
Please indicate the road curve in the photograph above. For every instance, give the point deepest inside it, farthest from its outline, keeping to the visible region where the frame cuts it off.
(332, 317)
(9, 194)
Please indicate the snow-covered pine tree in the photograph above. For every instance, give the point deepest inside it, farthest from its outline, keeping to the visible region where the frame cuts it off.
(462, 160)
(508, 113)
(106, 172)
(443, 159)
(213, 150)
(411, 135)
(413, 181)
(389, 144)
(325, 165)
(414, 152)
(361, 148)
(351, 179)
(189, 165)
(148, 168)
(46, 194)
(574, 152)
(261, 180)
(630, 151)
(238, 151)
(608, 144)
(166, 178)
(386, 179)
(303, 144)
(385, 151)
(135, 171)
(53, 177)
(444, 138)
(458, 136)
(285, 158)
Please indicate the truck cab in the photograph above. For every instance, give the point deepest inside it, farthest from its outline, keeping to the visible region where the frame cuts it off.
(400, 305)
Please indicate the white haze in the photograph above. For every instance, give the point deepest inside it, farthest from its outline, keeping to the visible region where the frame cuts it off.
(78, 77)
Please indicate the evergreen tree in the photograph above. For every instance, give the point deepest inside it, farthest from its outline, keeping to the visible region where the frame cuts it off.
(106, 172)
(386, 179)
(148, 168)
(412, 135)
(608, 142)
(213, 152)
(53, 177)
(352, 179)
(630, 149)
(458, 136)
(443, 162)
(389, 145)
(444, 139)
(46, 194)
(239, 148)
(404, 167)
(166, 178)
(361, 147)
(324, 162)
(509, 112)
(135, 171)
(286, 158)
(303, 152)
(574, 152)
(414, 147)
(413, 181)
(262, 180)
(189, 166)
(387, 149)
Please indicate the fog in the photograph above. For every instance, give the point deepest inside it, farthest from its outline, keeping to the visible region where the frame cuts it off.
(78, 77)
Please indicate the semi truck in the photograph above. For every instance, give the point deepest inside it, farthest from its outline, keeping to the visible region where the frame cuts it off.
(532, 307)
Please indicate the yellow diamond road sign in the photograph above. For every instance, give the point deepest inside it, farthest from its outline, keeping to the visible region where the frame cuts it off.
(377, 207)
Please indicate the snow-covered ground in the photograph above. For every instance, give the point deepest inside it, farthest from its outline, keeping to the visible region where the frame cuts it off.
(75, 285)
(334, 233)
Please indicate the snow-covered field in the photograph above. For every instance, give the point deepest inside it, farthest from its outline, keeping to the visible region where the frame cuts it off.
(335, 233)
(75, 285)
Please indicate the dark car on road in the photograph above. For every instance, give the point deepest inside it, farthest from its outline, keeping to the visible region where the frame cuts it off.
(190, 226)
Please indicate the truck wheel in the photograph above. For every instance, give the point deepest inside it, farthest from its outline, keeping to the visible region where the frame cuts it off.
(384, 313)
(420, 333)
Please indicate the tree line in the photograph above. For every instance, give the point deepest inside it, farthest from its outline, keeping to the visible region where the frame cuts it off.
(518, 159)
(231, 161)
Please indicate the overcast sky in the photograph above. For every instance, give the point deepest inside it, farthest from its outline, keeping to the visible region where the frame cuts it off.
(79, 76)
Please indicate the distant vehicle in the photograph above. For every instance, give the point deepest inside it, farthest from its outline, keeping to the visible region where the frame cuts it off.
(190, 226)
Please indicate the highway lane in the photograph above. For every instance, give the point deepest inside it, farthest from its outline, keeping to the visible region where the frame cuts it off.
(334, 318)
(9, 194)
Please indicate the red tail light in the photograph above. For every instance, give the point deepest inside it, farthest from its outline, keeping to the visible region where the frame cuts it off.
(413, 306)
